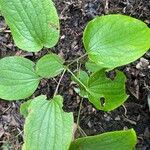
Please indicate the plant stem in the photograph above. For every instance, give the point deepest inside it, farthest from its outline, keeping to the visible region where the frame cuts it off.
(79, 128)
(77, 59)
(78, 119)
(81, 131)
(56, 91)
(77, 79)
(79, 112)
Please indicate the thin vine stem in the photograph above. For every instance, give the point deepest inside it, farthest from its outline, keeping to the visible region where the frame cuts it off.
(78, 120)
(56, 91)
(82, 131)
(77, 79)
(78, 127)
(77, 59)
(79, 112)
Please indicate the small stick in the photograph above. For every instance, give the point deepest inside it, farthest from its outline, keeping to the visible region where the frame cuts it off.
(59, 82)
(79, 112)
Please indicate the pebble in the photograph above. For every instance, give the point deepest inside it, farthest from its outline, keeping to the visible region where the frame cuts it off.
(117, 118)
(144, 63)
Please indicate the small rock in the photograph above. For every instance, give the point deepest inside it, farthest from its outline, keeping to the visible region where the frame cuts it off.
(117, 118)
(107, 118)
(73, 44)
(89, 124)
(144, 63)
(62, 37)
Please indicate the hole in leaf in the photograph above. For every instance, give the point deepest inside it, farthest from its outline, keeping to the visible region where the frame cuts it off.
(111, 74)
(102, 101)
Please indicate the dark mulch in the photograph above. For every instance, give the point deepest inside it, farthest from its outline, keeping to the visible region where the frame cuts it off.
(74, 15)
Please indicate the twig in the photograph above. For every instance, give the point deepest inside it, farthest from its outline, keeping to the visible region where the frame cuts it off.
(106, 6)
(6, 109)
(125, 111)
(76, 60)
(59, 82)
(78, 120)
(82, 131)
(79, 112)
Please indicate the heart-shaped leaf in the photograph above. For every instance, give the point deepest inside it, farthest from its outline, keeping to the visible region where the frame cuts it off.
(33, 23)
(18, 79)
(104, 93)
(107, 94)
(116, 40)
(118, 140)
(49, 66)
(47, 126)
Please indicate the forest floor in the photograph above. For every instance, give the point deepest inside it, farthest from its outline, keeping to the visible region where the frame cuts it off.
(74, 16)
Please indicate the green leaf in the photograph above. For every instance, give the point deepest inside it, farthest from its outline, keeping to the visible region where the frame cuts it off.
(33, 23)
(83, 77)
(47, 126)
(98, 88)
(118, 140)
(112, 91)
(49, 66)
(24, 108)
(116, 40)
(18, 79)
(92, 67)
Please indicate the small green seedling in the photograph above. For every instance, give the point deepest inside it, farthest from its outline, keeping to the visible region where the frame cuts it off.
(110, 41)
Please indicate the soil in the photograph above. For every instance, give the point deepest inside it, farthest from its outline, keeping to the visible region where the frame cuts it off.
(74, 16)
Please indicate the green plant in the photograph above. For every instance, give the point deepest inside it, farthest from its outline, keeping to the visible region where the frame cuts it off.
(33, 23)
(47, 125)
(110, 41)
(112, 140)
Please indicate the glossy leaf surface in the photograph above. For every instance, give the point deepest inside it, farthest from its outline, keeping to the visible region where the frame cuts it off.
(107, 94)
(34, 23)
(50, 66)
(47, 126)
(116, 40)
(92, 67)
(18, 79)
(118, 140)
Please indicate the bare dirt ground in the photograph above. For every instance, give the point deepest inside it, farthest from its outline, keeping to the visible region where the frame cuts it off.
(74, 15)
